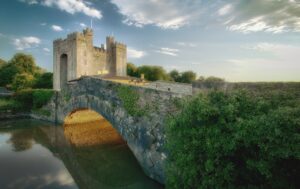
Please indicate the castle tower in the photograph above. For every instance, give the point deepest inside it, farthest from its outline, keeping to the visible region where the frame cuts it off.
(76, 56)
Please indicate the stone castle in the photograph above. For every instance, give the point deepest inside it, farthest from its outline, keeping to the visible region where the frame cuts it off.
(76, 56)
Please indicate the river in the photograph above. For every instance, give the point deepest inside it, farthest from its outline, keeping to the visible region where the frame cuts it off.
(36, 154)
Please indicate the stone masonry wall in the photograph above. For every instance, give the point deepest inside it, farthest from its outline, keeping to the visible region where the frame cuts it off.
(143, 133)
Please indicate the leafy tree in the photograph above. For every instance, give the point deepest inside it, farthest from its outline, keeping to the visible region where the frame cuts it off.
(234, 140)
(153, 73)
(188, 77)
(132, 70)
(44, 81)
(7, 74)
(175, 75)
(22, 81)
(2, 63)
(24, 63)
(209, 82)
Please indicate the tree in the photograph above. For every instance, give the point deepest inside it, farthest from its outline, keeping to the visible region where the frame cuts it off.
(7, 74)
(44, 81)
(175, 75)
(24, 63)
(234, 140)
(188, 77)
(132, 70)
(153, 73)
(2, 63)
(210, 82)
(22, 81)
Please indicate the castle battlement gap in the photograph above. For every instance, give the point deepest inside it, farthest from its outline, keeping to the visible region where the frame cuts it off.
(76, 56)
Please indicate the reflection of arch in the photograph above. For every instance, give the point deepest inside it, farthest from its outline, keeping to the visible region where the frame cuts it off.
(63, 70)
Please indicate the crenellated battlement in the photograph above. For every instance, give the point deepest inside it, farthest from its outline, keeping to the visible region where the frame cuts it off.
(76, 56)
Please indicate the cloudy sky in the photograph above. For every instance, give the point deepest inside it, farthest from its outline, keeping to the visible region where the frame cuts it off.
(239, 40)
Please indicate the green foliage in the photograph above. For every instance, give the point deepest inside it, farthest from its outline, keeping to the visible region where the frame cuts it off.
(41, 97)
(7, 74)
(21, 72)
(132, 70)
(209, 82)
(2, 62)
(9, 104)
(22, 81)
(44, 81)
(234, 140)
(175, 75)
(24, 63)
(33, 98)
(130, 99)
(153, 73)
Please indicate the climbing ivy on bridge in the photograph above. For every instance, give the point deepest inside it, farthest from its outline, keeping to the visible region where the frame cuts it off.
(130, 99)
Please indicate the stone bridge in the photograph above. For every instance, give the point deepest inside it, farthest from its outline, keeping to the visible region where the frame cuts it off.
(139, 115)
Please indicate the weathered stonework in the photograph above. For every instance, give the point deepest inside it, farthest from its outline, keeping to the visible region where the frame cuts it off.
(76, 56)
(144, 133)
(174, 87)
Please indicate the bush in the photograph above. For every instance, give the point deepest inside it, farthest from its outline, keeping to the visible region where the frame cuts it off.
(22, 81)
(234, 140)
(44, 81)
(33, 98)
(41, 97)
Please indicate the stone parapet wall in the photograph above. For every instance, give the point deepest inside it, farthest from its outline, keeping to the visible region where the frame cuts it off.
(180, 88)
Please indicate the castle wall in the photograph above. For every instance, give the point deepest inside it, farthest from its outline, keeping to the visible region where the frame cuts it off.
(84, 59)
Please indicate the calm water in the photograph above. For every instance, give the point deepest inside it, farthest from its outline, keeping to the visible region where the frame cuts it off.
(35, 154)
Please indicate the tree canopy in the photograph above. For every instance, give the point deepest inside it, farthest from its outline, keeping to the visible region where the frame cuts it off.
(21, 72)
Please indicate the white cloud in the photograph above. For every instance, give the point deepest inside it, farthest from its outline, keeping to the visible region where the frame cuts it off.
(186, 44)
(271, 16)
(30, 2)
(43, 24)
(225, 10)
(70, 6)
(167, 14)
(83, 25)
(168, 51)
(56, 28)
(46, 49)
(26, 42)
(133, 53)
(2, 35)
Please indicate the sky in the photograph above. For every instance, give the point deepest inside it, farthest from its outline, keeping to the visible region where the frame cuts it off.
(238, 40)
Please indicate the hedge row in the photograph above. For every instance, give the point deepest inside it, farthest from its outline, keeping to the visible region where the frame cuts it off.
(235, 140)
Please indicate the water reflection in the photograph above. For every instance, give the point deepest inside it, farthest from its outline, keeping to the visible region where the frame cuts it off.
(36, 154)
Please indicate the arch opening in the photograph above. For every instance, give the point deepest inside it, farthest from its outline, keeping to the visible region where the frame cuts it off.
(85, 127)
(101, 151)
(63, 70)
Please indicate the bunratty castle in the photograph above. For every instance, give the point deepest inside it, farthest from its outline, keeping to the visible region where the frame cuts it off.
(76, 56)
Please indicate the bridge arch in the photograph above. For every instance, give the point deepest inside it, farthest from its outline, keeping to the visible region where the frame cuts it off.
(85, 127)
(144, 132)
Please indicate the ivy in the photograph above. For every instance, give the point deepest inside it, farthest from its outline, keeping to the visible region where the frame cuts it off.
(130, 100)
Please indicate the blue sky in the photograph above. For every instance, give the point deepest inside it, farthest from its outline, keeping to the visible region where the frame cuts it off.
(239, 40)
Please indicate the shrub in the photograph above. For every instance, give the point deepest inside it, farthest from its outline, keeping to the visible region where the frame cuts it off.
(33, 98)
(22, 81)
(234, 140)
(41, 97)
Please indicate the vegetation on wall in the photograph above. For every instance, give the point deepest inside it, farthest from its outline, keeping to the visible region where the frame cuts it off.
(235, 140)
(130, 99)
